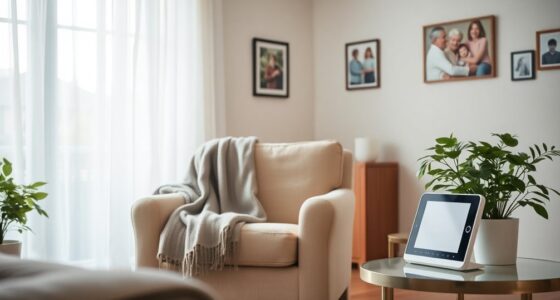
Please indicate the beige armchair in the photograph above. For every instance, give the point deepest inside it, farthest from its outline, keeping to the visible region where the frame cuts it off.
(304, 250)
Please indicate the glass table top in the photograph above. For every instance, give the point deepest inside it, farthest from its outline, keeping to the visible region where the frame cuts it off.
(528, 275)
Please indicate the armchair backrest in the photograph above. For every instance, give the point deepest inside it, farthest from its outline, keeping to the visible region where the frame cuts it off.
(290, 173)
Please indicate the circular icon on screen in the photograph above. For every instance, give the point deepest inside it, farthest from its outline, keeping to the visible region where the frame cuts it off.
(467, 229)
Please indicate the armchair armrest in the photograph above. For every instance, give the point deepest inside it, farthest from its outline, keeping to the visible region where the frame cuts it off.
(149, 216)
(325, 244)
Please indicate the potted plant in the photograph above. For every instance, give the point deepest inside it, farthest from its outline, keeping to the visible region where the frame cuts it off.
(502, 176)
(15, 202)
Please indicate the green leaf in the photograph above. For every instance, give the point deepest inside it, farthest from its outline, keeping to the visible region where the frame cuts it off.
(453, 154)
(542, 188)
(37, 184)
(542, 195)
(523, 203)
(507, 139)
(39, 195)
(545, 147)
(538, 160)
(443, 140)
(430, 183)
(531, 179)
(515, 159)
(441, 186)
(539, 209)
(554, 191)
(447, 141)
(536, 200)
(7, 168)
(435, 172)
(538, 149)
(532, 152)
(518, 184)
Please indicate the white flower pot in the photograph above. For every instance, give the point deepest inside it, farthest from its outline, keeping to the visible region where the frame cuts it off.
(11, 247)
(496, 242)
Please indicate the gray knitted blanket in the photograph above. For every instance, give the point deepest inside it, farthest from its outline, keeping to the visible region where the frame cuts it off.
(220, 196)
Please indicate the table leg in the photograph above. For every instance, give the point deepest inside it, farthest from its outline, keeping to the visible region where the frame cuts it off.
(386, 293)
(460, 296)
(391, 250)
(526, 296)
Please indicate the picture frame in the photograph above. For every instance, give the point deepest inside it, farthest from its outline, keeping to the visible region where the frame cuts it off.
(271, 68)
(523, 65)
(460, 50)
(547, 49)
(362, 61)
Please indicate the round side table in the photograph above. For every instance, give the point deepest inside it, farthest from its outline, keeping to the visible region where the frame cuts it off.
(528, 276)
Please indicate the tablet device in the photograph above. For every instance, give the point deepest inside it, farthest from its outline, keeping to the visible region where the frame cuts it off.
(444, 230)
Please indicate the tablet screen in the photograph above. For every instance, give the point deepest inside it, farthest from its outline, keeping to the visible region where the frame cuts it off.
(442, 226)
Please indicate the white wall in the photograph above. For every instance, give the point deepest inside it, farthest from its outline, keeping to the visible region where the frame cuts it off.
(271, 119)
(406, 115)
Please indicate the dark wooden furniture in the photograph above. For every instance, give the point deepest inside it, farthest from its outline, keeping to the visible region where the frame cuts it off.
(376, 212)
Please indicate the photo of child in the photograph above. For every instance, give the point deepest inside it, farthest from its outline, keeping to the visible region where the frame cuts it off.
(463, 53)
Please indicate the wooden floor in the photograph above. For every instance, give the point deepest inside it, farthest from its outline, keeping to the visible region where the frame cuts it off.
(360, 290)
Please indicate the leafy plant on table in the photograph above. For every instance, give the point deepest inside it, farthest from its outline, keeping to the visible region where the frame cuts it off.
(16, 201)
(496, 171)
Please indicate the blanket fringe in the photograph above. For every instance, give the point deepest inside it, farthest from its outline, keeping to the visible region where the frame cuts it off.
(200, 260)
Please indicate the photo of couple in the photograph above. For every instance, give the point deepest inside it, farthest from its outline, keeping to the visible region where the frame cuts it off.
(362, 65)
(459, 50)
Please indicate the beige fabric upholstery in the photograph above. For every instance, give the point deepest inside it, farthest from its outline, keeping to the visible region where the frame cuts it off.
(268, 245)
(308, 184)
(287, 174)
(255, 283)
(148, 218)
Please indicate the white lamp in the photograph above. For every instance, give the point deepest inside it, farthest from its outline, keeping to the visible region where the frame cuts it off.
(365, 149)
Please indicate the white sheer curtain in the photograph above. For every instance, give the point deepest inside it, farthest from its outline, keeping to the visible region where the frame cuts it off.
(105, 100)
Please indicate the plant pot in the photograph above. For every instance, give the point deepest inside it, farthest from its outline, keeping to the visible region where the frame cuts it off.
(496, 242)
(11, 247)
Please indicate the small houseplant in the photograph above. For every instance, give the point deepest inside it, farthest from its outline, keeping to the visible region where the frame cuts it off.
(16, 201)
(503, 176)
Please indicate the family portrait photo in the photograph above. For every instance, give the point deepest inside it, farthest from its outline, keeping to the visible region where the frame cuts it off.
(460, 50)
(270, 68)
(523, 65)
(362, 65)
(547, 49)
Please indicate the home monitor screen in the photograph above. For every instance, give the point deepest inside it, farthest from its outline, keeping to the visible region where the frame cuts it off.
(442, 219)
(443, 225)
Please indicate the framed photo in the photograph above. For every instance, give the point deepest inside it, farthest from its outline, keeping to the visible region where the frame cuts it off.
(523, 65)
(547, 49)
(271, 67)
(362, 65)
(460, 50)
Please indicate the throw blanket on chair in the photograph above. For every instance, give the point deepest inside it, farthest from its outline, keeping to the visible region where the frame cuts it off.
(220, 196)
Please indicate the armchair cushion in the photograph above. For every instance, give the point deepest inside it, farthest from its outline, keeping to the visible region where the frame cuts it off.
(288, 174)
(268, 245)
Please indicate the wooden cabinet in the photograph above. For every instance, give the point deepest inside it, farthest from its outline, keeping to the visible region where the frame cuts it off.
(376, 213)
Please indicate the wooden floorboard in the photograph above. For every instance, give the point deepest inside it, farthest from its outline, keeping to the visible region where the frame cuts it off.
(360, 290)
